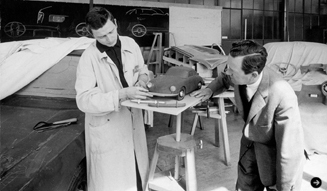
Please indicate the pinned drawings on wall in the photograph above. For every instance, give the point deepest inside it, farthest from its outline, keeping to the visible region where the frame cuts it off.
(145, 20)
(187, 24)
(141, 22)
(57, 19)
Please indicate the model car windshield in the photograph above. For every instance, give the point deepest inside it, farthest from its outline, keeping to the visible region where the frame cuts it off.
(179, 73)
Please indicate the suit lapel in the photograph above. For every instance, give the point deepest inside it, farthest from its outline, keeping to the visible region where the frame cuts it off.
(258, 100)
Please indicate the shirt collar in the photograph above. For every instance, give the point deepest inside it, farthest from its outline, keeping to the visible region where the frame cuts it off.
(102, 48)
(252, 88)
(256, 84)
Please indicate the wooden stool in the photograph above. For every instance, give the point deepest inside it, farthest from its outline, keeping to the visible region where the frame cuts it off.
(184, 148)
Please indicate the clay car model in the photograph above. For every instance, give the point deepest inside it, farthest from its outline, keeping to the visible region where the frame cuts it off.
(176, 82)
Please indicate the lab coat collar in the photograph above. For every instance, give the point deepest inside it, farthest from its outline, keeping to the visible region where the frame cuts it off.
(104, 48)
(125, 47)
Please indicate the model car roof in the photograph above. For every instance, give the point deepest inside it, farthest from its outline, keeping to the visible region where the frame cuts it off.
(181, 71)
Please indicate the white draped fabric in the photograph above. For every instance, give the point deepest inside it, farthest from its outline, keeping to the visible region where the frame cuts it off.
(298, 54)
(23, 61)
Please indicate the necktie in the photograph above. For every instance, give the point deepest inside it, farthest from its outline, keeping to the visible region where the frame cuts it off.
(246, 103)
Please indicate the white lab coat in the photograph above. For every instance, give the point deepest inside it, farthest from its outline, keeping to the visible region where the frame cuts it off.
(112, 131)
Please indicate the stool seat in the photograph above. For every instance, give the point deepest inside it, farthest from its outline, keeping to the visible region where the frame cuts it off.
(169, 144)
(183, 148)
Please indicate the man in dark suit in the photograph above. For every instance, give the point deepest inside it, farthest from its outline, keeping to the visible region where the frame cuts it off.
(272, 145)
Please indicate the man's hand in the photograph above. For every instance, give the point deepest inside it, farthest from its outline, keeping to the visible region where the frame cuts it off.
(204, 93)
(134, 93)
(142, 81)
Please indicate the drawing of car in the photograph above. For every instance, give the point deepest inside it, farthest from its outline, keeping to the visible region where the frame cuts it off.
(146, 20)
(45, 20)
(176, 82)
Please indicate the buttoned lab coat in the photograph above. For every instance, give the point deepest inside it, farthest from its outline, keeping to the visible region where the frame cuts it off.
(274, 126)
(112, 131)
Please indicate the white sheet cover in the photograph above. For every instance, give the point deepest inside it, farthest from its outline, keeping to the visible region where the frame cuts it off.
(299, 54)
(23, 61)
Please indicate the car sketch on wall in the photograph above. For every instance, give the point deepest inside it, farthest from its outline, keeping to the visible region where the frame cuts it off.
(146, 20)
(47, 25)
(42, 20)
(176, 82)
(57, 19)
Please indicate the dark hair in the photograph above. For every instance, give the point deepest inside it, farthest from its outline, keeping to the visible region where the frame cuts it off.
(255, 55)
(97, 17)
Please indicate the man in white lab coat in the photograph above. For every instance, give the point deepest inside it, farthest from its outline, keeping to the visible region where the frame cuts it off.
(110, 71)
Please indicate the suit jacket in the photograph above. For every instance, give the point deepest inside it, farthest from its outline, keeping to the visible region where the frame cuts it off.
(274, 127)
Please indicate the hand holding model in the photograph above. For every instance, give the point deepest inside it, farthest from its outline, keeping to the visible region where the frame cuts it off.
(134, 93)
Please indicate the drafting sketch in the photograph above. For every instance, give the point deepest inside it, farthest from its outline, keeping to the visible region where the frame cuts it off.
(55, 19)
(45, 20)
(81, 30)
(14, 29)
(146, 20)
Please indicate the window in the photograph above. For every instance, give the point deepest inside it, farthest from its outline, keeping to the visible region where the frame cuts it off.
(304, 19)
(260, 19)
(264, 19)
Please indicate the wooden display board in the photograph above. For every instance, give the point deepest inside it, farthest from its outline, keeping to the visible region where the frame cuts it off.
(194, 25)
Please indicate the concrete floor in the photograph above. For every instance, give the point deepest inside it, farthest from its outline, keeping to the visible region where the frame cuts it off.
(212, 173)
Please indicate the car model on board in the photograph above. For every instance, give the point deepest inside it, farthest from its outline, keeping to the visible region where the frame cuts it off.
(176, 82)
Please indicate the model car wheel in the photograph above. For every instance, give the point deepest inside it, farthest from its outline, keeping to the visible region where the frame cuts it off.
(138, 30)
(81, 29)
(181, 93)
(324, 88)
(199, 85)
(324, 91)
(14, 29)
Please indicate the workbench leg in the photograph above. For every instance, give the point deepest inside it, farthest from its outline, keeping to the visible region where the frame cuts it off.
(217, 128)
(178, 127)
(224, 130)
(200, 123)
(195, 122)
